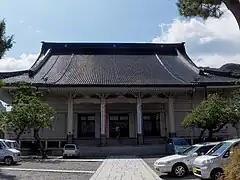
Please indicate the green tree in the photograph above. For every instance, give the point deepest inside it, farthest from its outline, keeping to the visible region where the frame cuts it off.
(211, 114)
(208, 8)
(233, 110)
(28, 112)
(6, 42)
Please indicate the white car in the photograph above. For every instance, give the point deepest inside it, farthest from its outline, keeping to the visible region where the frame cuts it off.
(180, 164)
(210, 165)
(8, 155)
(70, 150)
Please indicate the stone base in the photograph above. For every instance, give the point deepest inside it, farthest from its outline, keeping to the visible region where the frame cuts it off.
(103, 140)
(171, 135)
(139, 139)
(70, 138)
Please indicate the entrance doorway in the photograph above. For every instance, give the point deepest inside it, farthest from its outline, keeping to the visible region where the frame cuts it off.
(86, 126)
(120, 121)
(151, 124)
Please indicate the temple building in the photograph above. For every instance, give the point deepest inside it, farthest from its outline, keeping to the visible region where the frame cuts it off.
(139, 92)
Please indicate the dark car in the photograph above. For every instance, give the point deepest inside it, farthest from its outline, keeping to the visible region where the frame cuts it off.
(176, 145)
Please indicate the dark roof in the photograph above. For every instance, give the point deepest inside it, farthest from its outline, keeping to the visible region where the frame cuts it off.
(116, 64)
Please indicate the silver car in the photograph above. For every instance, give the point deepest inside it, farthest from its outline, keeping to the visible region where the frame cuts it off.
(180, 164)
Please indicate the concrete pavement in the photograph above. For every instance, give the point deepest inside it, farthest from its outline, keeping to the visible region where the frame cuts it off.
(124, 168)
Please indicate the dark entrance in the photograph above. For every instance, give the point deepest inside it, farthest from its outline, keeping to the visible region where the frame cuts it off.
(86, 125)
(151, 124)
(121, 121)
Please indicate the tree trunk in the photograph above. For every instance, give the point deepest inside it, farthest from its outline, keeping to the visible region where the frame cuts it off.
(37, 138)
(19, 135)
(201, 134)
(234, 7)
(210, 134)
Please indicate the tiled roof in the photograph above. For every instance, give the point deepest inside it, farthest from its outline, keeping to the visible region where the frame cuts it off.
(116, 64)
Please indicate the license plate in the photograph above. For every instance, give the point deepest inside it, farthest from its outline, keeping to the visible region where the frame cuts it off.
(194, 170)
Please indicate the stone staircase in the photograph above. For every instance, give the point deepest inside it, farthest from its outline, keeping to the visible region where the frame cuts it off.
(143, 150)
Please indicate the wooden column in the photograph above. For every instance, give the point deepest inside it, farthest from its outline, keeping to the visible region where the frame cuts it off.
(70, 119)
(103, 129)
(139, 121)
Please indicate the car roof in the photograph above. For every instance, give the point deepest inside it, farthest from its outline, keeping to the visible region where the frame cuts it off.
(233, 140)
(206, 143)
(70, 145)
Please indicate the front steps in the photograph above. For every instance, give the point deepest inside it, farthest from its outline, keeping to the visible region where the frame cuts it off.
(143, 150)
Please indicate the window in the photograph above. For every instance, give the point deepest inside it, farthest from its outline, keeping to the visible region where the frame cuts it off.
(190, 150)
(219, 149)
(151, 124)
(203, 150)
(86, 125)
(122, 122)
(70, 146)
(1, 145)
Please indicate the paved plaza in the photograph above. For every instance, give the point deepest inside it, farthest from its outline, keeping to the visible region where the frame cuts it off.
(112, 168)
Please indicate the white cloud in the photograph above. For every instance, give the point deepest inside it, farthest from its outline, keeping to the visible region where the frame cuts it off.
(23, 63)
(213, 42)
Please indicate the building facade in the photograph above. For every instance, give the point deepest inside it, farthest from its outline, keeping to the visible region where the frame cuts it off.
(140, 92)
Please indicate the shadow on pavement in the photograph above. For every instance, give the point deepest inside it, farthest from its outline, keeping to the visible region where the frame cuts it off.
(168, 177)
(13, 165)
(4, 176)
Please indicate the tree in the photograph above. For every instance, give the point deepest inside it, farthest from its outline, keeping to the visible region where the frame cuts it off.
(233, 110)
(28, 112)
(6, 42)
(211, 114)
(208, 8)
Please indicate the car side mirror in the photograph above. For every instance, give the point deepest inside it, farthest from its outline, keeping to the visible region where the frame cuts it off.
(195, 154)
(227, 154)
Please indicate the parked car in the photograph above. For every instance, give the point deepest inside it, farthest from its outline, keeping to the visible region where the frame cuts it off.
(176, 145)
(210, 165)
(180, 164)
(8, 155)
(70, 150)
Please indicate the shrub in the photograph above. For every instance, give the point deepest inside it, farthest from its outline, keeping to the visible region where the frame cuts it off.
(232, 166)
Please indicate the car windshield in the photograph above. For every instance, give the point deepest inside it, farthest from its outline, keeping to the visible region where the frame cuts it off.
(70, 146)
(219, 149)
(8, 144)
(16, 145)
(180, 142)
(190, 150)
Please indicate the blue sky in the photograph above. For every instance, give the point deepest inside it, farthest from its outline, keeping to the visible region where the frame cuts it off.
(213, 42)
(83, 20)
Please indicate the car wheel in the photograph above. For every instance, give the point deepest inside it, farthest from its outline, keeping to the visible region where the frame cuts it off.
(179, 170)
(216, 174)
(8, 160)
